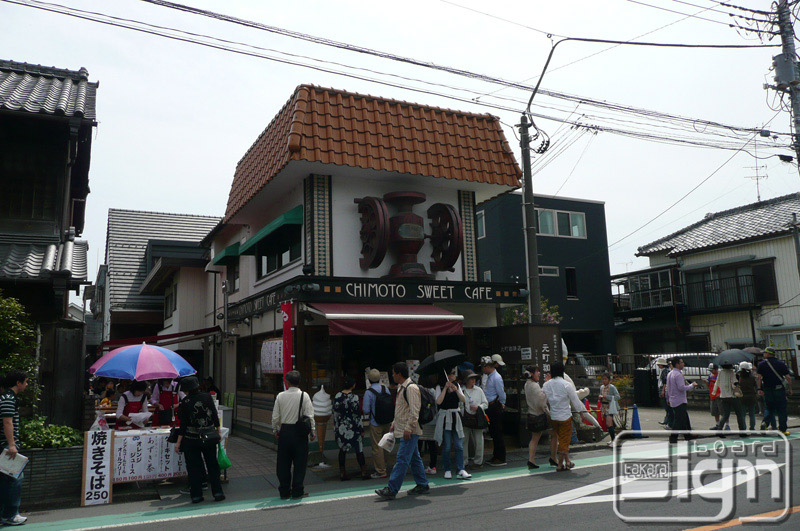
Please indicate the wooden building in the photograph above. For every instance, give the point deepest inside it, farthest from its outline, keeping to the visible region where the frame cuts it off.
(47, 117)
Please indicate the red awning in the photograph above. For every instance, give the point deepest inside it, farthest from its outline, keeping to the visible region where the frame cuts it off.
(389, 320)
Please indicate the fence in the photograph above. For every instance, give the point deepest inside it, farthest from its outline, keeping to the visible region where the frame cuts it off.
(586, 366)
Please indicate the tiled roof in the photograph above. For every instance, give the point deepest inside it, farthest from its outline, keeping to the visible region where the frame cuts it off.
(749, 222)
(126, 249)
(348, 129)
(38, 258)
(46, 90)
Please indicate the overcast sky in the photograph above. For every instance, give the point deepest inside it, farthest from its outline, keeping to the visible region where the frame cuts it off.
(174, 118)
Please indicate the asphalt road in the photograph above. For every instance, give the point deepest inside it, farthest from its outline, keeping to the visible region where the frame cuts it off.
(497, 498)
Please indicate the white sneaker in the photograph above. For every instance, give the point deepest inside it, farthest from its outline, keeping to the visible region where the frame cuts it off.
(464, 475)
(448, 475)
(428, 470)
(17, 520)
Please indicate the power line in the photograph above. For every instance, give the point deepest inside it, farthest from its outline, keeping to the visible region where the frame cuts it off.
(543, 32)
(585, 149)
(680, 13)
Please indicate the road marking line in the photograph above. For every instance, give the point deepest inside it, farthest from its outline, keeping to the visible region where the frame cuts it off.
(148, 517)
(738, 521)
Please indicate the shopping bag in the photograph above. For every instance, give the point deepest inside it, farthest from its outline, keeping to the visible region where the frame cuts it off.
(222, 459)
(387, 442)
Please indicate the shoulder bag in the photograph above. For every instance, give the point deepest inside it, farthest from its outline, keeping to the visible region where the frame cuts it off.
(303, 421)
(778, 376)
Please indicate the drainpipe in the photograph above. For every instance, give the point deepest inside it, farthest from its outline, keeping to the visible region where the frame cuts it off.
(72, 155)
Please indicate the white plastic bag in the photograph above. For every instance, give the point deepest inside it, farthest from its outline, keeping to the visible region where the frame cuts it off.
(387, 442)
(100, 423)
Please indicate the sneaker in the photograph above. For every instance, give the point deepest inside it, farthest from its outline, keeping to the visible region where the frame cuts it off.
(763, 426)
(728, 427)
(786, 433)
(386, 493)
(17, 520)
(464, 475)
(198, 500)
(376, 475)
(430, 470)
(304, 495)
(497, 462)
(219, 497)
(420, 489)
(448, 475)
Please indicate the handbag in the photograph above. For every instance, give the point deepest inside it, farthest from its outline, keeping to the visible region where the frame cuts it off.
(737, 391)
(537, 423)
(303, 421)
(210, 436)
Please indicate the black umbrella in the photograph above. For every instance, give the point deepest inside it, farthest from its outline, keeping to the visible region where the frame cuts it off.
(732, 357)
(440, 361)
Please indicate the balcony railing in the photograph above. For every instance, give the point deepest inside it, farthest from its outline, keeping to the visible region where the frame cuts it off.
(731, 292)
(648, 298)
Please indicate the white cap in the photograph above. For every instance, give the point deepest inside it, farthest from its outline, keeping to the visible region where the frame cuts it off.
(498, 359)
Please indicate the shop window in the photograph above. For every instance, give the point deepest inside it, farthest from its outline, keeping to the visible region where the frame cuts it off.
(481, 224)
(233, 276)
(548, 271)
(546, 222)
(487, 276)
(571, 279)
(279, 250)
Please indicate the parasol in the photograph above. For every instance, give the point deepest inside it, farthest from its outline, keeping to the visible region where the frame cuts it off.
(142, 362)
(440, 361)
(732, 357)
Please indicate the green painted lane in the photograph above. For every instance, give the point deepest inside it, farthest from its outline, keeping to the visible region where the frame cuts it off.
(195, 511)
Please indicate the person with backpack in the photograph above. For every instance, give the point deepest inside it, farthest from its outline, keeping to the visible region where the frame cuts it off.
(410, 409)
(379, 406)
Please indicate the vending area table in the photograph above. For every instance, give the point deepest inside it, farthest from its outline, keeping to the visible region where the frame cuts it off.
(112, 456)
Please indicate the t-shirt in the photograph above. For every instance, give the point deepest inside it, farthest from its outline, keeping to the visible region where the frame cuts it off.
(9, 409)
(712, 379)
(769, 378)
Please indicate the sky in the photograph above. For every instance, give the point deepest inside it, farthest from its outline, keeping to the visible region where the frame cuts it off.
(175, 118)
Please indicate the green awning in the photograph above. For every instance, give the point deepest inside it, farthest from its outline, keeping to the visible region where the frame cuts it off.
(292, 217)
(228, 255)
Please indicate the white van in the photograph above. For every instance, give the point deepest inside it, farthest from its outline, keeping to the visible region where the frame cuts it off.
(696, 369)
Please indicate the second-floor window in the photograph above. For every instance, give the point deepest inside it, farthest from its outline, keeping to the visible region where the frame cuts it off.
(729, 287)
(480, 224)
(279, 250)
(233, 276)
(170, 300)
(562, 223)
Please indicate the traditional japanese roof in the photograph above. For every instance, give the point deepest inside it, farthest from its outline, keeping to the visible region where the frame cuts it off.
(46, 90)
(40, 258)
(348, 129)
(129, 231)
(750, 222)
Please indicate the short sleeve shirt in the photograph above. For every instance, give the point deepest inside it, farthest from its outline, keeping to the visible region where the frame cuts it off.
(768, 375)
(9, 409)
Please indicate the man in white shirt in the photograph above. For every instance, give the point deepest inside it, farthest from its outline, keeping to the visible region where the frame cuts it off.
(292, 439)
(562, 398)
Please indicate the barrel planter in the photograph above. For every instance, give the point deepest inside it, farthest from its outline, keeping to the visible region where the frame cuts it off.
(52, 477)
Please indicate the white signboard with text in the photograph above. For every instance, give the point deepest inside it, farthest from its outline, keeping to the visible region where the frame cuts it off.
(141, 456)
(272, 356)
(97, 450)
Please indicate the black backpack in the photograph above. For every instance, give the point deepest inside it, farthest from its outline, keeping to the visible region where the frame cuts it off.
(427, 405)
(383, 407)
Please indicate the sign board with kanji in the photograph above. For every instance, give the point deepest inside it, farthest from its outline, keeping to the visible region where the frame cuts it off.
(97, 452)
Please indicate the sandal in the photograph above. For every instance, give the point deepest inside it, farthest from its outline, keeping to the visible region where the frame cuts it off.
(562, 469)
(570, 465)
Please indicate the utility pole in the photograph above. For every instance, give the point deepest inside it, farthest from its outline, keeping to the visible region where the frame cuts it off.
(531, 221)
(786, 69)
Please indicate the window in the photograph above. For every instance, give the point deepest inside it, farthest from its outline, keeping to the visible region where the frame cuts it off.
(546, 222)
(481, 224)
(572, 282)
(170, 300)
(487, 276)
(279, 250)
(571, 224)
(548, 271)
(233, 276)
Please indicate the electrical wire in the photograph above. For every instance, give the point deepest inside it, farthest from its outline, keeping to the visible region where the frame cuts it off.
(585, 149)
(679, 12)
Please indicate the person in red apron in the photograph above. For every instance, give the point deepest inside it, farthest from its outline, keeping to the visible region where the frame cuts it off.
(131, 401)
(166, 398)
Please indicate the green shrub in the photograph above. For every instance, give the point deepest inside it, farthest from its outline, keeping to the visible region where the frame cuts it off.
(37, 433)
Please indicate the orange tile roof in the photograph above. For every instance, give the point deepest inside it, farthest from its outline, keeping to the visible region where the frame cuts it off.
(348, 129)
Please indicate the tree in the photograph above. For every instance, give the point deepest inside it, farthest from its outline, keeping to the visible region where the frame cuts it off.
(519, 314)
(18, 343)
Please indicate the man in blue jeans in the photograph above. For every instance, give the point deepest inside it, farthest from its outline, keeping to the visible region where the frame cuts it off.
(406, 428)
(774, 383)
(14, 383)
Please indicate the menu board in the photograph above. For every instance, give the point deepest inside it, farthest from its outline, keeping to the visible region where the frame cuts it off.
(272, 356)
(146, 456)
(97, 468)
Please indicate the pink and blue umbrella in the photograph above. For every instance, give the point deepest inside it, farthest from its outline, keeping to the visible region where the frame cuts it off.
(141, 362)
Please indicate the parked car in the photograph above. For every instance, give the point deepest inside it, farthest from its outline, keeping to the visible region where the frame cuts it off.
(696, 369)
(584, 365)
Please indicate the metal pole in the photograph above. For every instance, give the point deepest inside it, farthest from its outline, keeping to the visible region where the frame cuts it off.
(787, 40)
(531, 221)
(796, 240)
